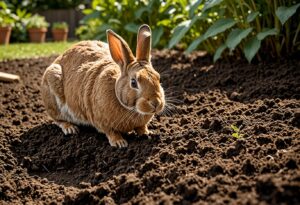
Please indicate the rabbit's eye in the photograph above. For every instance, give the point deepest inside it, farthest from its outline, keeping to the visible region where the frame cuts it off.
(134, 83)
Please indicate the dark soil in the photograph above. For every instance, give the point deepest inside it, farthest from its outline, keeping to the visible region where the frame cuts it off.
(192, 156)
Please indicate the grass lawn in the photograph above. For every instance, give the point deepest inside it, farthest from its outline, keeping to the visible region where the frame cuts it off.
(30, 50)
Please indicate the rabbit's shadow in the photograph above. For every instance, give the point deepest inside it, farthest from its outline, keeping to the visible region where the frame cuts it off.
(86, 157)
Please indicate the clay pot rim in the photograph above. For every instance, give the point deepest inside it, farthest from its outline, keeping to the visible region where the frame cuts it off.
(60, 30)
(5, 27)
(37, 29)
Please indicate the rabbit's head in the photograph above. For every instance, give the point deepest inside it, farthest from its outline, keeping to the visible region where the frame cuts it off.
(138, 87)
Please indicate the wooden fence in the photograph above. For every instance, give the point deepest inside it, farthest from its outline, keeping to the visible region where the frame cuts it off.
(71, 16)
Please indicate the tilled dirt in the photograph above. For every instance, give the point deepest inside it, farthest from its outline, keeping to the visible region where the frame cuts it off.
(192, 156)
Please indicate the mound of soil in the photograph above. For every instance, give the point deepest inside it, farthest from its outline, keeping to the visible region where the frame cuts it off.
(191, 157)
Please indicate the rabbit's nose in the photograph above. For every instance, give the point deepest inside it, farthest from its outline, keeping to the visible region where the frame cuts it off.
(155, 103)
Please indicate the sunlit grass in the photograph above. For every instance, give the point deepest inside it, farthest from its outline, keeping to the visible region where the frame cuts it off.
(31, 50)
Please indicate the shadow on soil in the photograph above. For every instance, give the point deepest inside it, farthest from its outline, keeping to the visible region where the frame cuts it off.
(87, 157)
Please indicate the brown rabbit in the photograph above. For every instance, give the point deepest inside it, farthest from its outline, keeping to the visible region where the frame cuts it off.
(105, 86)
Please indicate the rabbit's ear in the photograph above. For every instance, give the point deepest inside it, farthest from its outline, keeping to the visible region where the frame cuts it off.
(119, 49)
(143, 47)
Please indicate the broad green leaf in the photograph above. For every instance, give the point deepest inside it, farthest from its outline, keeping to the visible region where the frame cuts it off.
(219, 52)
(114, 21)
(235, 128)
(252, 16)
(236, 36)
(236, 135)
(101, 36)
(178, 17)
(284, 13)
(3, 5)
(156, 35)
(132, 27)
(152, 3)
(195, 44)
(180, 31)
(219, 26)
(164, 22)
(140, 12)
(266, 32)
(194, 5)
(87, 11)
(93, 15)
(103, 28)
(210, 3)
(251, 48)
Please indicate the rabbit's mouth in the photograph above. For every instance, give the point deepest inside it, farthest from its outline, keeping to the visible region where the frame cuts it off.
(150, 106)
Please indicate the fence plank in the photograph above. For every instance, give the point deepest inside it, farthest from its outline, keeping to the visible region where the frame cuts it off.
(71, 16)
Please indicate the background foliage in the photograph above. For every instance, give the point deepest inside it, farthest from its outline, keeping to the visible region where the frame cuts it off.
(22, 13)
(37, 5)
(126, 16)
(245, 28)
(248, 29)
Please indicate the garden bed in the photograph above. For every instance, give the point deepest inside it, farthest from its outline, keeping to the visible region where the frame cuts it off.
(192, 156)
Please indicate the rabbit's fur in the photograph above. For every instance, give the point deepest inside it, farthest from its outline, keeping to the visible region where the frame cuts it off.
(104, 85)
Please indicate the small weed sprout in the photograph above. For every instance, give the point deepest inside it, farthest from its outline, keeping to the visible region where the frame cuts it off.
(236, 132)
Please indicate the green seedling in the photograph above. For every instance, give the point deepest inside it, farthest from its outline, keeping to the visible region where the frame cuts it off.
(236, 132)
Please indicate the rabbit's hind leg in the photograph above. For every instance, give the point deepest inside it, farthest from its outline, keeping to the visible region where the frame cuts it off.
(53, 97)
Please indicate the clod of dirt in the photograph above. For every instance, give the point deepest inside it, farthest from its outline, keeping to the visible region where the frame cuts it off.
(167, 157)
(260, 129)
(296, 119)
(215, 125)
(263, 140)
(277, 115)
(215, 170)
(280, 144)
(234, 96)
(248, 168)
(235, 150)
(192, 146)
(291, 164)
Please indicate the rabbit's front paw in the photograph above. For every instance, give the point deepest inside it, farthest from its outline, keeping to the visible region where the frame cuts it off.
(67, 128)
(116, 140)
(143, 131)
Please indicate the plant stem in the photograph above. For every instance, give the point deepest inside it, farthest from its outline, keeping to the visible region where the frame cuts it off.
(296, 35)
(278, 27)
(257, 20)
(287, 34)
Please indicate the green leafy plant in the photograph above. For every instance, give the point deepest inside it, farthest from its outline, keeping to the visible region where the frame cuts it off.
(245, 27)
(19, 31)
(125, 17)
(7, 18)
(41, 5)
(236, 132)
(60, 25)
(37, 21)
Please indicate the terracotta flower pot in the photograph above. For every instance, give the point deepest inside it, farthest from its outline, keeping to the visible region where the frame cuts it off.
(60, 34)
(5, 35)
(37, 35)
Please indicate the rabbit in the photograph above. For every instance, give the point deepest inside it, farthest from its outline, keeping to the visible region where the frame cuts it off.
(105, 86)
